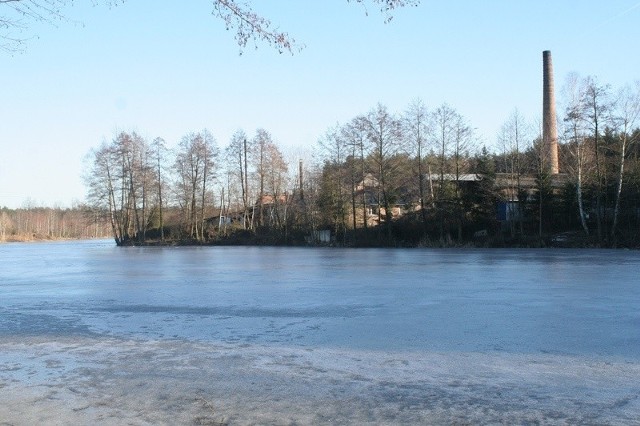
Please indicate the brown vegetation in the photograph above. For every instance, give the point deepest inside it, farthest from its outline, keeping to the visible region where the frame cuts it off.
(44, 223)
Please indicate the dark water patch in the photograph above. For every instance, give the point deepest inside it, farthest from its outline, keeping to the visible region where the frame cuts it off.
(350, 311)
(38, 324)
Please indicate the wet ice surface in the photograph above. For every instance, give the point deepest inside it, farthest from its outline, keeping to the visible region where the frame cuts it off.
(94, 333)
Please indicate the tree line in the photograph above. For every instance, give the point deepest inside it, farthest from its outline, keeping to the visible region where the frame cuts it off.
(47, 223)
(429, 163)
(598, 150)
(382, 178)
(146, 190)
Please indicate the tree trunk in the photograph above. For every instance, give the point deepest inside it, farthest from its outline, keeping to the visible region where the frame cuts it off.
(423, 213)
(616, 209)
(244, 184)
(583, 219)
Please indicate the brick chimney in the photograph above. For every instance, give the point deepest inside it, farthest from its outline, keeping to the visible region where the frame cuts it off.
(549, 126)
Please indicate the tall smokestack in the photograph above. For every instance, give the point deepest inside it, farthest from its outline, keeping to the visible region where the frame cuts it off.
(549, 127)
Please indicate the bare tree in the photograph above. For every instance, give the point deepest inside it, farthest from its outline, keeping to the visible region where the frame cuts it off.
(276, 184)
(159, 157)
(5, 224)
(137, 171)
(237, 163)
(513, 137)
(113, 185)
(260, 142)
(354, 134)
(463, 139)
(334, 151)
(626, 115)
(33, 222)
(209, 153)
(251, 26)
(16, 17)
(417, 129)
(384, 131)
(576, 135)
(107, 185)
(444, 122)
(195, 169)
(597, 105)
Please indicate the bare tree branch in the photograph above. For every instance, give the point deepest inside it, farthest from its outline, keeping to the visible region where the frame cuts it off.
(17, 16)
(251, 26)
(387, 7)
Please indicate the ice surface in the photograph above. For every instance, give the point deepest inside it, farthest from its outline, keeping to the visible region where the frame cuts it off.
(90, 333)
(113, 381)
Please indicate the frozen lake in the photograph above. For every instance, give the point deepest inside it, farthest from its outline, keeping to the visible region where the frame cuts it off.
(90, 332)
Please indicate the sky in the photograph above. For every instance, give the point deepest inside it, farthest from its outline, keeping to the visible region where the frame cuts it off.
(169, 68)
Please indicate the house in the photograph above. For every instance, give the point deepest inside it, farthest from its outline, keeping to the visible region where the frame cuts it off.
(369, 203)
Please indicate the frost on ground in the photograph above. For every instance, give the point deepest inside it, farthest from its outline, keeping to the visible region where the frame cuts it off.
(107, 380)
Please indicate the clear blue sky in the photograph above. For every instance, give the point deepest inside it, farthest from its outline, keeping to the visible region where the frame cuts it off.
(165, 69)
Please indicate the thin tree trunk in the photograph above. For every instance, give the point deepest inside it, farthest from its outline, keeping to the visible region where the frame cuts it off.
(160, 201)
(616, 210)
(243, 183)
(421, 189)
(364, 186)
(431, 191)
(203, 198)
(353, 192)
(220, 220)
(599, 183)
(583, 218)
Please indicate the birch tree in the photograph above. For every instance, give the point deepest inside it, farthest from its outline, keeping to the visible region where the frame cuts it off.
(597, 105)
(576, 135)
(626, 115)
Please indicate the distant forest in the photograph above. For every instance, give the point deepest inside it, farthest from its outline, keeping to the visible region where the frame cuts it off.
(30, 223)
(419, 178)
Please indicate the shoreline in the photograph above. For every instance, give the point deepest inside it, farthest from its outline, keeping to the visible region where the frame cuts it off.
(429, 245)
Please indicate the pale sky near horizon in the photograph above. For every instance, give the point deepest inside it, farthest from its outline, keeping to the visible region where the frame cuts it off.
(166, 69)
